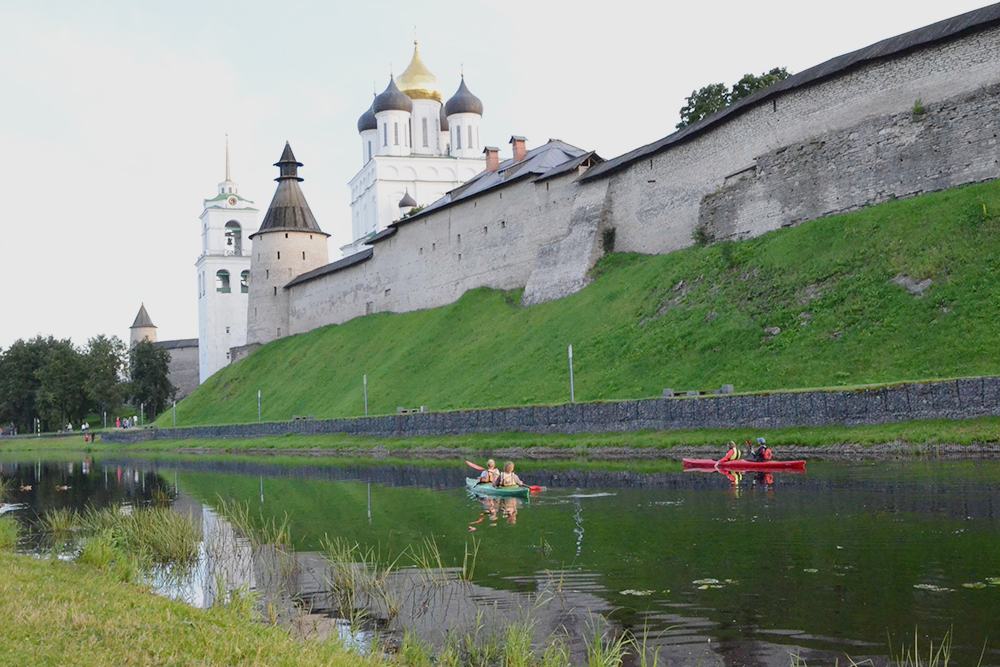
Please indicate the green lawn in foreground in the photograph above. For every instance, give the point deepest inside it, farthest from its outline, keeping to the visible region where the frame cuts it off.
(983, 430)
(59, 614)
(694, 319)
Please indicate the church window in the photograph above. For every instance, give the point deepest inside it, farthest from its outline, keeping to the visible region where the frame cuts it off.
(407, 132)
(369, 149)
(468, 131)
(234, 238)
(275, 290)
(279, 252)
(458, 139)
(385, 135)
(303, 254)
(423, 126)
(477, 137)
(395, 133)
(245, 282)
(222, 281)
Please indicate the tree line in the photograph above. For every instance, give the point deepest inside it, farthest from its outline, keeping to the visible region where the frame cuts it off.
(57, 382)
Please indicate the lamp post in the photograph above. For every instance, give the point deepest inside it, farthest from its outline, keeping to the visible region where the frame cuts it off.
(572, 392)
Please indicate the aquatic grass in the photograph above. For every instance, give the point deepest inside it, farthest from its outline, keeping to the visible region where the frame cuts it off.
(482, 646)
(555, 654)
(912, 656)
(61, 521)
(469, 560)
(260, 530)
(605, 650)
(10, 531)
(357, 580)
(427, 558)
(414, 653)
(517, 645)
(99, 552)
(153, 534)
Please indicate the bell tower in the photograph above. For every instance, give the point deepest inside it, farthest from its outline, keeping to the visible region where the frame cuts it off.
(227, 222)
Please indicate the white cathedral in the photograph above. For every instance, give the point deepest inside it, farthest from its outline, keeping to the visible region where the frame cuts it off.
(415, 149)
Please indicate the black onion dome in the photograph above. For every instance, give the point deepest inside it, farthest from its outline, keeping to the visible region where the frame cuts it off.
(407, 200)
(367, 121)
(444, 120)
(463, 102)
(392, 99)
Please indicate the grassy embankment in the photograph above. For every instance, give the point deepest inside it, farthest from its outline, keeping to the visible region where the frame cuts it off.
(694, 319)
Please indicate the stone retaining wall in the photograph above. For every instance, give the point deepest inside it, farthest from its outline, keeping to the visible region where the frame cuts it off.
(954, 399)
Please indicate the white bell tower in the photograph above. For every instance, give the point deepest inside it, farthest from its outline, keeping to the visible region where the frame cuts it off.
(227, 222)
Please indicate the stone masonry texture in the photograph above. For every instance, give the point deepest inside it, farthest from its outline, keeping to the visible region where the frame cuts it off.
(953, 399)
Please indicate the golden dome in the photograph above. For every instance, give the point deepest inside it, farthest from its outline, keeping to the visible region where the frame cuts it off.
(417, 81)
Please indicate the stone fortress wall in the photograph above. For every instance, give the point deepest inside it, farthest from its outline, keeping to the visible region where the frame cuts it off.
(919, 114)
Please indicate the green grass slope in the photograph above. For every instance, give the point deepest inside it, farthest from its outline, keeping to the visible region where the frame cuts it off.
(694, 319)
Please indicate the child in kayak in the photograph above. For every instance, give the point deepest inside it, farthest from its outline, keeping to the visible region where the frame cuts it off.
(734, 453)
(490, 474)
(507, 478)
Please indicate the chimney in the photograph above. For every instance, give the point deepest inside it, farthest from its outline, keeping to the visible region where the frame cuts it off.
(492, 158)
(517, 145)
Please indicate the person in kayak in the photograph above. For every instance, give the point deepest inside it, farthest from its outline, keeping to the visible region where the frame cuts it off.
(760, 451)
(734, 453)
(507, 478)
(490, 473)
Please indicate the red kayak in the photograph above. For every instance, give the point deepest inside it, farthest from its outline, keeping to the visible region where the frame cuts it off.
(710, 464)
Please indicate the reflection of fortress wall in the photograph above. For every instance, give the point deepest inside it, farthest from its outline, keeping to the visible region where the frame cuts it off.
(229, 561)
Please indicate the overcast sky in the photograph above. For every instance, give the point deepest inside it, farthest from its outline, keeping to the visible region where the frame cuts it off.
(113, 115)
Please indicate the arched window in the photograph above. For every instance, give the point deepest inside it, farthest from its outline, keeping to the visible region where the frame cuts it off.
(395, 133)
(234, 238)
(245, 282)
(458, 138)
(423, 126)
(385, 134)
(222, 281)
(369, 150)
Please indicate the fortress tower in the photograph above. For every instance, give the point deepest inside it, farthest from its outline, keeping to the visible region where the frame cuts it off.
(288, 244)
(223, 275)
(411, 142)
(142, 329)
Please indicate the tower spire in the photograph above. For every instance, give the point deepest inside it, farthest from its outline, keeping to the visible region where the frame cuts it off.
(227, 157)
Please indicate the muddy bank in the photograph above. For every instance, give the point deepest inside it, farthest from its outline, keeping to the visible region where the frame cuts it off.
(890, 451)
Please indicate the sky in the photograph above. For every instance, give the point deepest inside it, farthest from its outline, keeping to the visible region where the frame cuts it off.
(114, 115)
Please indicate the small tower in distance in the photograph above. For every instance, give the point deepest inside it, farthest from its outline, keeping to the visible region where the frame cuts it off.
(223, 274)
(142, 329)
(288, 244)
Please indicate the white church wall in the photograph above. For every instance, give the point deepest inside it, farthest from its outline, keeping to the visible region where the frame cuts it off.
(655, 201)
(222, 315)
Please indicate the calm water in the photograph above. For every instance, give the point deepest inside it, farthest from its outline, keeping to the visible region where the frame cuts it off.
(838, 560)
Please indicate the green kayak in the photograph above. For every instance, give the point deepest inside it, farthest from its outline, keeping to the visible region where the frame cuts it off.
(490, 490)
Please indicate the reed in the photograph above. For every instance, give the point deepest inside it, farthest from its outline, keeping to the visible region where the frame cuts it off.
(517, 645)
(606, 651)
(151, 534)
(10, 531)
(469, 560)
(61, 521)
(357, 580)
(910, 656)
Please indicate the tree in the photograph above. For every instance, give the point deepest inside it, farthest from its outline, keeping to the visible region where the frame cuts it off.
(19, 381)
(150, 386)
(716, 97)
(105, 366)
(61, 393)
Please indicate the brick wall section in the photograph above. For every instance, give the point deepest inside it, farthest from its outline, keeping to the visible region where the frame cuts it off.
(955, 399)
